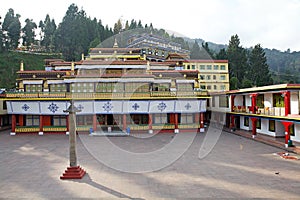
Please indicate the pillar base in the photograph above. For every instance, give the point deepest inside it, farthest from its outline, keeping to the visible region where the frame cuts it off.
(202, 130)
(176, 130)
(12, 133)
(150, 131)
(286, 145)
(253, 136)
(41, 133)
(73, 173)
(67, 133)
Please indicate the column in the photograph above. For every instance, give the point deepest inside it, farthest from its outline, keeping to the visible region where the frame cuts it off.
(253, 102)
(124, 123)
(13, 125)
(287, 132)
(41, 125)
(176, 123)
(150, 122)
(232, 122)
(201, 118)
(254, 120)
(67, 125)
(94, 122)
(287, 102)
(232, 102)
(21, 120)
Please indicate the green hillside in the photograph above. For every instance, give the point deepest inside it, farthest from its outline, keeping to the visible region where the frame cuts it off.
(10, 64)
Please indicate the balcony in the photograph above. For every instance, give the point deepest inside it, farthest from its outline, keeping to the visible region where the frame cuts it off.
(271, 111)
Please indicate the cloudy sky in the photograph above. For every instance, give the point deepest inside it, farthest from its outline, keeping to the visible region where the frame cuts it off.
(272, 23)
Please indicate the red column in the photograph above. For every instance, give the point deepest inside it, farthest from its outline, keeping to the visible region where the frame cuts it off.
(67, 124)
(254, 120)
(41, 125)
(21, 120)
(253, 102)
(94, 122)
(232, 122)
(124, 123)
(13, 125)
(176, 123)
(201, 122)
(150, 122)
(287, 102)
(287, 131)
(232, 102)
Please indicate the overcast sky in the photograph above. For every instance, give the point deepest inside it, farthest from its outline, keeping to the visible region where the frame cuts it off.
(272, 23)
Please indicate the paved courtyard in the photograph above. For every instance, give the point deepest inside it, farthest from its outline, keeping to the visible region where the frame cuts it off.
(235, 168)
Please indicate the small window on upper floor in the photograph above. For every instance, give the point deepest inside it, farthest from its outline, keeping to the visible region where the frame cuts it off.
(202, 77)
(209, 87)
(193, 67)
(222, 77)
(216, 67)
(202, 87)
(202, 67)
(208, 67)
(188, 67)
(222, 67)
(208, 77)
(214, 77)
(4, 105)
(215, 87)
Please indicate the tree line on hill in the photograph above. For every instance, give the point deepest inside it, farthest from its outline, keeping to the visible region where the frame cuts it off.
(77, 32)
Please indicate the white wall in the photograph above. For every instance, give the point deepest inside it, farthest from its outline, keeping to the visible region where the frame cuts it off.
(265, 128)
(297, 133)
(279, 129)
(294, 103)
(248, 100)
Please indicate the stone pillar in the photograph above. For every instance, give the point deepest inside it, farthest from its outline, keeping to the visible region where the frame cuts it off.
(13, 125)
(202, 122)
(287, 102)
(176, 130)
(124, 123)
(67, 125)
(94, 122)
(232, 102)
(286, 131)
(254, 120)
(41, 125)
(150, 122)
(253, 102)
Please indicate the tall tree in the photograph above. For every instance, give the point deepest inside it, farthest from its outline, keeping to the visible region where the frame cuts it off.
(207, 49)
(12, 28)
(118, 27)
(237, 60)
(259, 73)
(29, 32)
(1, 37)
(222, 55)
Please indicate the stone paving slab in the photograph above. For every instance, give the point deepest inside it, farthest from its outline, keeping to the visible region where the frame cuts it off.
(236, 168)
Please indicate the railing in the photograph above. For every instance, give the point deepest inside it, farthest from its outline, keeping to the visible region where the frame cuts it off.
(187, 126)
(272, 111)
(54, 128)
(99, 95)
(27, 129)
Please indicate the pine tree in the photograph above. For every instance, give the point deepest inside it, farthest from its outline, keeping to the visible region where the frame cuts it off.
(237, 60)
(259, 73)
(29, 32)
(12, 27)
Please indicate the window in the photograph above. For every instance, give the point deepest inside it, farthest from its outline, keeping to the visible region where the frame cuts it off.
(209, 87)
(214, 77)
(292, 130)
(246, 121)
(203, 87)
(260, 100)
(207, 77)
(58, 88)
(208, 67)
(222, 77)
(222, 67)
(215, 87)
(186, 118)
(272, 125)
(202, 77)
(59, 120)
(224, 101)
(258, 124)
(33, 88)
(188, 67)
(278, 100)
(193, 67)
(202, 67)
(32, 120)
(213, 102)
(160, 118)
(208, 102)
(216, 67)
(222, 87)
(4, 105)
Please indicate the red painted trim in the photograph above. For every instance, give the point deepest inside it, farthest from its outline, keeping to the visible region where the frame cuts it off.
(150, 121)
(176, 120)
(94, 122)
(13, 123)
(124, 122)
(254, 120)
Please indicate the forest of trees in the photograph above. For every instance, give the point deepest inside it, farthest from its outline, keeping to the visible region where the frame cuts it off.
(77, 32)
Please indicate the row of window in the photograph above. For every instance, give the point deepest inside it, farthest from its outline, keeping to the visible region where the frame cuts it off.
(212, 77)
(206, 67)
(213, 87)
